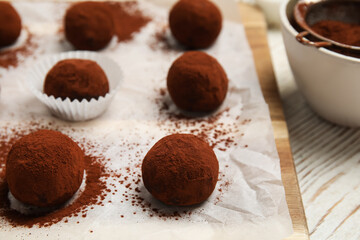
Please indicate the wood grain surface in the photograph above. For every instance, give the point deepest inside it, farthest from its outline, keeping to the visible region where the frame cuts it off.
(326, 158)
(255, 28)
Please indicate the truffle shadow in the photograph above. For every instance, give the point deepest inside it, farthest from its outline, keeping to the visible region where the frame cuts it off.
(164, 41)
(161, 210)
(168, 108)
(33, 211)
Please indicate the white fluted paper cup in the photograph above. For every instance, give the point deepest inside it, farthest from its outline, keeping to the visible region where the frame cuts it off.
(75, 110)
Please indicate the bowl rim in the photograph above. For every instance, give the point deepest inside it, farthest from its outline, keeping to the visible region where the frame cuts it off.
(286, 24)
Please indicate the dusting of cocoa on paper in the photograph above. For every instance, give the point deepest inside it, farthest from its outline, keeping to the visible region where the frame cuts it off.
(11, 57)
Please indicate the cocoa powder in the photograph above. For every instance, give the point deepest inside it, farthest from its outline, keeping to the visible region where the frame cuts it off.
(128, 19)
(11, 57)
(347, 52)
(220, 134)
(341, 32)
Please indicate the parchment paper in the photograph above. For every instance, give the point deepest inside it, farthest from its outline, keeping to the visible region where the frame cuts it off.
(249, 200)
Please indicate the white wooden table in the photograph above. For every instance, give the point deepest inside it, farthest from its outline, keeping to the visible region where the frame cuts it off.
(327, 159)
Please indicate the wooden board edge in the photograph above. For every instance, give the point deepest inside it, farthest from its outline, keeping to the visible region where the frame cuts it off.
(255, 28)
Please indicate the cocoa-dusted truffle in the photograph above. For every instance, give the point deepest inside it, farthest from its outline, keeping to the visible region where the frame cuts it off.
(76, 79)
(89, 25)
(44, 168)
(195, 24)
(10, 24)
(197, 82)
(180, 170)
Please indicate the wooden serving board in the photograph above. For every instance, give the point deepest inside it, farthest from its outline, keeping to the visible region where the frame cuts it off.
(255, 27)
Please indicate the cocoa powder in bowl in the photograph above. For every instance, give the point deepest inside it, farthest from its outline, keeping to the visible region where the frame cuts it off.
(10, 24)
(76, 79)
(44, 168)
(197, 82)
(89, 25)
(181, 170)
(195, 24)
(347, 33)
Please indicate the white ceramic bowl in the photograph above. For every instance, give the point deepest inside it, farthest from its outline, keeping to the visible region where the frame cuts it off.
(329, 81)
(271, 10)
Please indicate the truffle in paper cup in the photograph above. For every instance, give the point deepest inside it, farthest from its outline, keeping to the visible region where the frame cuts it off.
(75, 110)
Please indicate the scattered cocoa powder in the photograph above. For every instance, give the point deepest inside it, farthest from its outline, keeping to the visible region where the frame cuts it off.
(160, 39)
(163, 40)
(219, 134)
(222, 188)
(127, 18)
(12, 56)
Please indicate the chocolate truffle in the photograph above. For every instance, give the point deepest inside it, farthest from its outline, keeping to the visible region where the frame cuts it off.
(10, 24)
(180, 170)
(44, 168)
(89, 25)
(76, 79)
(197, 82)
(195, 24)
